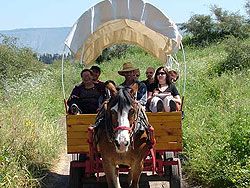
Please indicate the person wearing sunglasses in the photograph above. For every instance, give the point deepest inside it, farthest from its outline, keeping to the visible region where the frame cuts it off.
(165, 96)
(137, 74)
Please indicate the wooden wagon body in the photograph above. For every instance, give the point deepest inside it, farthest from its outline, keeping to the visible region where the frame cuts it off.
(168, 134)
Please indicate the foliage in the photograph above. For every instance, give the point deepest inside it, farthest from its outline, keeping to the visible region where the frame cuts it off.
(49, 58)
(31, 135)
(216, 126)
(16, 62)
(115, 51)
(238, 56)
(203, 29)
(247, 6)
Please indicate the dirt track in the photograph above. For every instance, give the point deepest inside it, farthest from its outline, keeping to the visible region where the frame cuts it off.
(59, 177)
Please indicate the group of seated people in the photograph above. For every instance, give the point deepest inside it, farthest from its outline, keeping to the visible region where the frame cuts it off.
(157, 93)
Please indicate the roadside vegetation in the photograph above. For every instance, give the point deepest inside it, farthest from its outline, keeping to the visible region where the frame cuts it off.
(215, 129)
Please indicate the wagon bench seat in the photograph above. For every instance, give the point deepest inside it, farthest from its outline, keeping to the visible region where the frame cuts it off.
(167, 126)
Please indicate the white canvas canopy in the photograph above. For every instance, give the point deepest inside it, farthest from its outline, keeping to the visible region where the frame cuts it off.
(123, 21)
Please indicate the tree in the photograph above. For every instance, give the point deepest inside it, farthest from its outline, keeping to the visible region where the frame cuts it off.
(247, 6)
(204, 28)
(229, 23)
(201, 28)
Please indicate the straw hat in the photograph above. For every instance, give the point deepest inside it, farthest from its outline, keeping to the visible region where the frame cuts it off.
(126, 67)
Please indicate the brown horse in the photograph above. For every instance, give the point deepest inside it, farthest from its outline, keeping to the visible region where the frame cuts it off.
(122, 137)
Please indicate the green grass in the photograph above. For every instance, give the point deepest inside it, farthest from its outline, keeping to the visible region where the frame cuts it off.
(31, 135)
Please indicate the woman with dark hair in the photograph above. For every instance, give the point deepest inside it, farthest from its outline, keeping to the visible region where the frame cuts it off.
(165, 96)
(87, 96)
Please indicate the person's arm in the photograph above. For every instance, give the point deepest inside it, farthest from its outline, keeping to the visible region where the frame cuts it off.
(150, 95)
(143, 94)
(177, 99)
(175, 94)
(74, 94)
(143, 100)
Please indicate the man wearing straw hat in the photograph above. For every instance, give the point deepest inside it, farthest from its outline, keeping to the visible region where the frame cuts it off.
(128, 71)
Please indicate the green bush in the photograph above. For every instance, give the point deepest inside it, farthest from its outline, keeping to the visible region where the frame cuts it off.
(238, 56)
(203, 29)
(216, 125)
(16, 62)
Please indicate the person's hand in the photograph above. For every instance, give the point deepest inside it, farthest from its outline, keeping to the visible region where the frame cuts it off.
(74, 96)
(155, 93)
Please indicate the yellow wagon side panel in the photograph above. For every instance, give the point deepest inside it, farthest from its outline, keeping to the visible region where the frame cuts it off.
(167, 126)
(77, 132)
(168, 131)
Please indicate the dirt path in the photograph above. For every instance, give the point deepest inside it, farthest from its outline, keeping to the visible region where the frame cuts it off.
(59, 177)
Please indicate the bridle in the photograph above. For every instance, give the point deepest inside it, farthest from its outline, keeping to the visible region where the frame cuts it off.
(138, 118)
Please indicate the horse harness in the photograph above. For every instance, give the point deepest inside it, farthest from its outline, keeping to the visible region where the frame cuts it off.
(139, 122)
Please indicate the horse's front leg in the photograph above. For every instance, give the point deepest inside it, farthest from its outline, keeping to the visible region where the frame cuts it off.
(112, 174)
(134, 174)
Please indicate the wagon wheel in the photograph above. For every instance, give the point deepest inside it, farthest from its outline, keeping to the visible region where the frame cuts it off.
(176, 175)
(168, 156)
(75, 177)
(173, 172)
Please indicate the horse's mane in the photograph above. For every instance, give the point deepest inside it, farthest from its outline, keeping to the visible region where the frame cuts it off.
(123, 98)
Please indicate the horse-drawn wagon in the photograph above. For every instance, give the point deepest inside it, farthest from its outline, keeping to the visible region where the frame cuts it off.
(168, 135)
(113, 22)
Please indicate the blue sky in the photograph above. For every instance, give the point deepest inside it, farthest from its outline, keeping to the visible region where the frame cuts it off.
(17, 14)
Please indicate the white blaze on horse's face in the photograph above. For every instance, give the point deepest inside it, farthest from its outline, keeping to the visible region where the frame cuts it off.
(122, 137)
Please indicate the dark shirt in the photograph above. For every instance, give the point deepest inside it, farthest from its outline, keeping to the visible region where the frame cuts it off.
(88, 100)
(141, 93)
(171, 89)
(150, 86)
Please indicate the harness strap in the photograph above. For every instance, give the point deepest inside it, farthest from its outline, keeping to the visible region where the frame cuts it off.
(149, 128)
(122, 128)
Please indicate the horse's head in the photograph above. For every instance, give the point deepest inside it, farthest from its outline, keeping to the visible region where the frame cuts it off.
(122, 109)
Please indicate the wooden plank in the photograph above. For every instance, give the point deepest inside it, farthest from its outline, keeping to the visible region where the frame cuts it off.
(164, 114)
(166, 122)
(165, 139)
(77, 128)
(159, 119)
(166, 119)
(81, 119)
(77, 135)
(78, 149)
(166, 131)
(77, 141)
(169, 146)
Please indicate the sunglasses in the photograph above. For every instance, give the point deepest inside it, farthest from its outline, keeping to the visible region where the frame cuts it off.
(161, 73)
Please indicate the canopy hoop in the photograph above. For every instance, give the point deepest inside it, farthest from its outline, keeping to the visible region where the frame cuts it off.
(62, 78)
(185, 68)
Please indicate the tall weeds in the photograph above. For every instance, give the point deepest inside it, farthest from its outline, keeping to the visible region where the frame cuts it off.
(31, 135)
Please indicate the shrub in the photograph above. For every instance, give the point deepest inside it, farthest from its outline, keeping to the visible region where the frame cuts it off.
(115, 51)
(203, 29)
(16, 62)
(238, 56)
